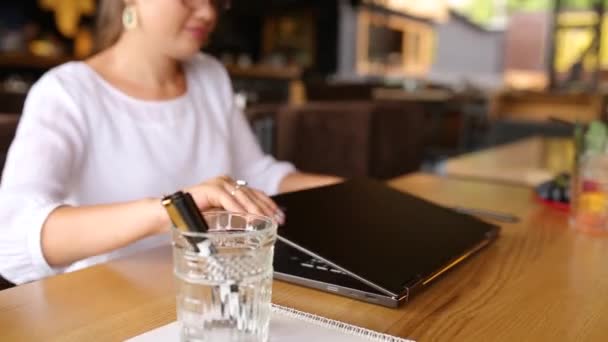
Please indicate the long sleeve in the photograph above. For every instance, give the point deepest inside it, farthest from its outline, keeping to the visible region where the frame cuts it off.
(81, 141)
(43, 158)
(249, 162)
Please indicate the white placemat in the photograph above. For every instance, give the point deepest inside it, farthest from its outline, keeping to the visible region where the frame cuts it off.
(291, 325)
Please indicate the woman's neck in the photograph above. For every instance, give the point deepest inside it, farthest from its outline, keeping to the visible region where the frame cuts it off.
(140, 72)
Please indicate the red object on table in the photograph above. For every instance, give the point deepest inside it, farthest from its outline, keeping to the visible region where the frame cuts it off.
(561, 206)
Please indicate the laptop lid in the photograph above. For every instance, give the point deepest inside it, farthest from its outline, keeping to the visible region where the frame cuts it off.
(379, 235)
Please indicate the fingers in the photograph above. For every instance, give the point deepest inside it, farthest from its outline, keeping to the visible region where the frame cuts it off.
(263, 202)
(257, 198)
(275, 212)
(250, 205)
(256, 202)
(266, 200)
(217, 196)
(248, 200)
(222, 192)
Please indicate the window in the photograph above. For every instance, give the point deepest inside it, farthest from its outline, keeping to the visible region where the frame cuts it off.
(390, 45)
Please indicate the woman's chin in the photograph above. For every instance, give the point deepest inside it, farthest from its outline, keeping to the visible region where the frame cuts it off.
(186, 51)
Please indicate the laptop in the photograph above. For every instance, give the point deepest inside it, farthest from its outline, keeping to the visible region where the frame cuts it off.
(365, 240)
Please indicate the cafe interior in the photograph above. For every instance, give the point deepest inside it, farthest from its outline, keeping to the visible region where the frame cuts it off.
(484, 114)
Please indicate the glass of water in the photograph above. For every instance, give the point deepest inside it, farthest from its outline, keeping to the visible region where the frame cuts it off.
(224, 278)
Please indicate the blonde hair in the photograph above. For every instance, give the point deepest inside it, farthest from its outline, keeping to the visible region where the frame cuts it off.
(109, 23)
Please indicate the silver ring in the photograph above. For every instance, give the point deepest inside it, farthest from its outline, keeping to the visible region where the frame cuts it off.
(239, 185)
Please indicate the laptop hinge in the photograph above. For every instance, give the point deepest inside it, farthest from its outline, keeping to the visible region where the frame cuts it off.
(364, 281)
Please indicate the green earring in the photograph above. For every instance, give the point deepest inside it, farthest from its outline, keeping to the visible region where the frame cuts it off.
(129, 17)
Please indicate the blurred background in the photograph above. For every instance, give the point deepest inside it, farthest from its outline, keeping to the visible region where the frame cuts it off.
(374, 88)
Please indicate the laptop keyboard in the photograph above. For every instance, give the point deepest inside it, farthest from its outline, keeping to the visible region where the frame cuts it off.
(313, 263)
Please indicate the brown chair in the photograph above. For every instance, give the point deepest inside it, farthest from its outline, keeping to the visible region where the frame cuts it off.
(400, 135)
(334, 92)
(8, 127)
(5, 284)
(11, 102)
(330, 138)
(353, 139)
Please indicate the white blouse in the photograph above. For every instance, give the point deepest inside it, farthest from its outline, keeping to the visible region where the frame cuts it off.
(81, 141)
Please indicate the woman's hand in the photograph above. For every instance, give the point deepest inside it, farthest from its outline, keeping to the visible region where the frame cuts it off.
(222, 192)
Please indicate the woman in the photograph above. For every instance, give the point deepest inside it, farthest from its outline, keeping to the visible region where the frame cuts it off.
(101, 141)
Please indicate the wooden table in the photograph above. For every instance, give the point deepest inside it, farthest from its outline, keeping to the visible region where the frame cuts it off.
(540, 106)
(527, 162)
(540, 281)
